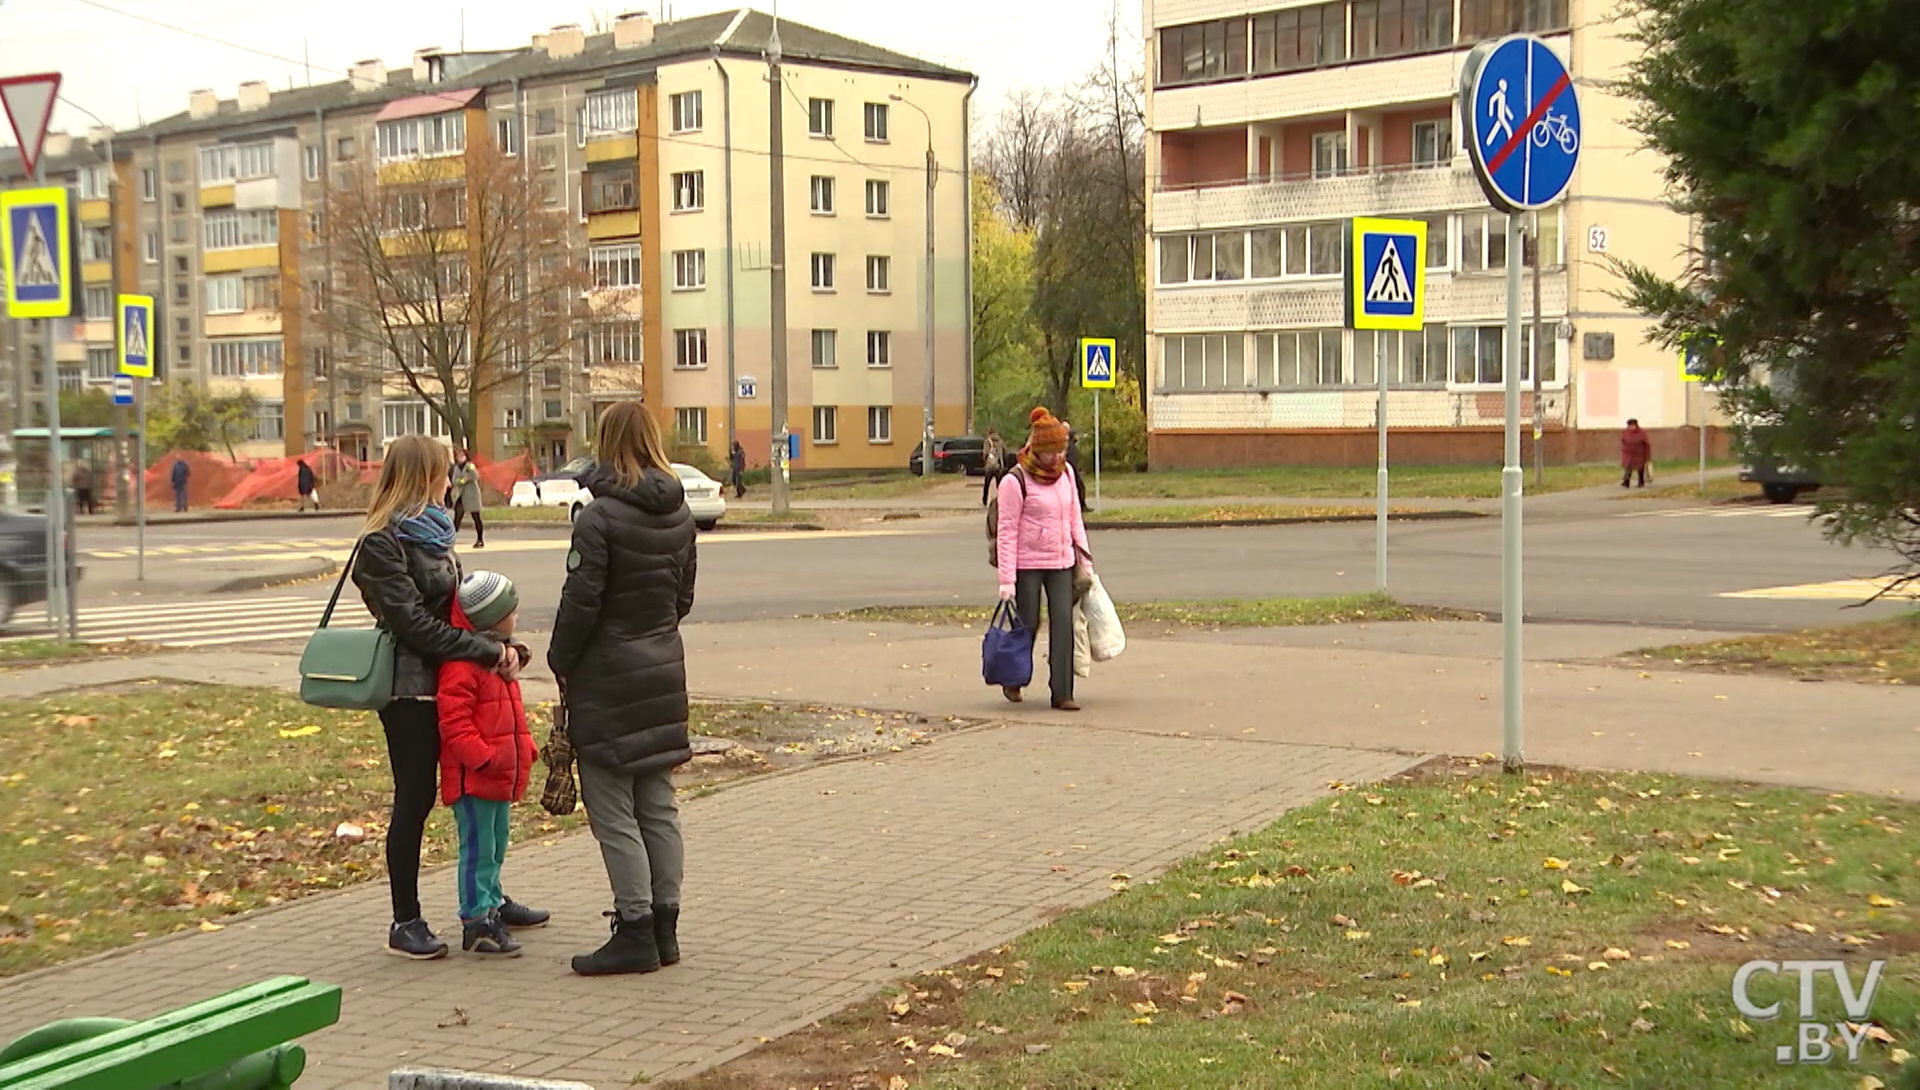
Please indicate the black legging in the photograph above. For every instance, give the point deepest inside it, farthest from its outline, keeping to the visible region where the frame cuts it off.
(413, 750)
(460, 518)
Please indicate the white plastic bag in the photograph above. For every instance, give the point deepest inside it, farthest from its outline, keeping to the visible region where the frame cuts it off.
(1105, 638)
(1082, 649)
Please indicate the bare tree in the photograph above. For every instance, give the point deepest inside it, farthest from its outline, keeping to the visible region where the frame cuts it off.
(453, 278)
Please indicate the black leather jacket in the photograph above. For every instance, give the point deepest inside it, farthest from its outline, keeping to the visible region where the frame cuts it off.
(410, 593)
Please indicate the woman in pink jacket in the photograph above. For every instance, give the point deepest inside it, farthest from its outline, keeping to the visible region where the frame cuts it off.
(1040, 536)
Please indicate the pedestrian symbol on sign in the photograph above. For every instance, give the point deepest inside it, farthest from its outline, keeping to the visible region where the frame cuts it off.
(1390, 278)
(1096, 363)
(36, 268)
(137, 334)
(1386, 265)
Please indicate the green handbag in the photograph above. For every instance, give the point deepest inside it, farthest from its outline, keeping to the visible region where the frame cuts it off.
(349, 668)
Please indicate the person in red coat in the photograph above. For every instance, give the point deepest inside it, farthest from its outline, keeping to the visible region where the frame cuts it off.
(486, 761)
(1636, 454)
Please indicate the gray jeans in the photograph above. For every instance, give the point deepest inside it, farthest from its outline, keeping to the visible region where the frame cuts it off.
(638, 826)
(1056, 586)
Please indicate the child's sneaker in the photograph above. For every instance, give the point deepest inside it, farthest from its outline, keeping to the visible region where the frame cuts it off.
(489, 936)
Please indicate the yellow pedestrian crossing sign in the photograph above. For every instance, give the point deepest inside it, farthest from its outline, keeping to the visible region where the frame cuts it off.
(1096, 363)
(35, 253)
(1386, 274)
(136, 335)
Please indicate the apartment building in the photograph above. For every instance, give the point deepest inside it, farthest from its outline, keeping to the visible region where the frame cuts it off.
(654, 138)
(1272, 122)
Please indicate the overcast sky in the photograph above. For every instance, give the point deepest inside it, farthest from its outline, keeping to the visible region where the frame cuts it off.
(123, 68)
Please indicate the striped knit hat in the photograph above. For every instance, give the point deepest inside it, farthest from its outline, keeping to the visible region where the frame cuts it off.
(1049, 436)
(487, 598)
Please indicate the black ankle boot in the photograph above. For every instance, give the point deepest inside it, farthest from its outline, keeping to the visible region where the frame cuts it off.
(665, 919)
(630, 950)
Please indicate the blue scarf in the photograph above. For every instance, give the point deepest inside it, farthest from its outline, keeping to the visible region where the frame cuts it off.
(431, 529)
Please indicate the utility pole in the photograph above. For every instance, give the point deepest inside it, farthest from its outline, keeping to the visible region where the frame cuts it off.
(926, 320)
(777, 182)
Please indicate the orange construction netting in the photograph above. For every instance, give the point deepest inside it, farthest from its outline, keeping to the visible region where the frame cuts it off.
(210, 476)
(278, 478)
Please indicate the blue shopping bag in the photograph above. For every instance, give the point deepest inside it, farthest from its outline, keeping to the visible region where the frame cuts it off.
(1006, 651)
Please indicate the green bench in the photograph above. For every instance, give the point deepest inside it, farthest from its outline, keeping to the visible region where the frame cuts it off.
(237, 1041)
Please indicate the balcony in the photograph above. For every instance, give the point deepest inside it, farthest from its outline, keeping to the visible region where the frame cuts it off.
(1386, 190)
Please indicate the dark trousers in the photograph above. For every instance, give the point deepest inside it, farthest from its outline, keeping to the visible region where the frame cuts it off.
(992, 482)
(413, 750)
(180, 498)
(1058, 586)
(83, 500)
(739, 483)
(1626, 479)
(479, 528)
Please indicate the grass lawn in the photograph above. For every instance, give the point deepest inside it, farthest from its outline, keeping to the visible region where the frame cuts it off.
(1235, 512)
(146, 809)
(1231, 613)
(738, 515)
(892, 486)
(1875, 651)
(1686, 486)
(1463, 929)
(32, 651)
(1350, 482)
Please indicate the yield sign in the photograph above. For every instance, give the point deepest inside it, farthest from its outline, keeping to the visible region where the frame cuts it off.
(29, 104)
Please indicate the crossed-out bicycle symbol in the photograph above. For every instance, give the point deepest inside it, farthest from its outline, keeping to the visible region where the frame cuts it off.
(1554, 127)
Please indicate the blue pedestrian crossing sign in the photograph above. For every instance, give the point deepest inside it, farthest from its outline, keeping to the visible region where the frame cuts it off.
(1096, 363)
(1386, 274)
(35, 252)
(1696, 356)
(1523, 122)
(135, 313)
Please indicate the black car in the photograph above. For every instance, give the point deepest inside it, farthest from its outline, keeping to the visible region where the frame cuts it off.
(23, 562)
(960, 454)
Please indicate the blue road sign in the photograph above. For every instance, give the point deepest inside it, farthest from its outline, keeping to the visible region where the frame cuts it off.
(123, 389)
(1523, 122)
(136, 335)
(1386, 279)
(1096, 363)
(35, 248)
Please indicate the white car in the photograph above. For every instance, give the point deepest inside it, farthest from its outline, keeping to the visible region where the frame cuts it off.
(704, 497)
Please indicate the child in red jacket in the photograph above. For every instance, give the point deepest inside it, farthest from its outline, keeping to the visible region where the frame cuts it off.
(486, 759)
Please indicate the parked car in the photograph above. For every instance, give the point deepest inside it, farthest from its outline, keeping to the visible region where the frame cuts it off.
(23, 562)
(959, 454)
(705, 497)
(1779, 483)
(556, 489)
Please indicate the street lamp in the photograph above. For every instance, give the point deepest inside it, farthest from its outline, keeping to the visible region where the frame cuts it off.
(926, 321)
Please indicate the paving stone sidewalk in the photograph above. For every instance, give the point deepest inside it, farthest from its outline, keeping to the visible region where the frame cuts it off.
(805, 892)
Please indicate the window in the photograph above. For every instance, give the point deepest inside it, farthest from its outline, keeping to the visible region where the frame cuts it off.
(551, 378)
(179, 202)
(1201, 51)
(1202, 361)
(1483, 242)
(261, 292)
(316, 295)
(356, 412)
(177, 171)
(180, 291)
(545, 157)
(321, 361)
(876, 117)
(101, 364)
(612, 189)
(545, 122)
(180, 265)
(822, 272)
(690, 426)
(513, 419)
(1391, 28)
(314, 223)
(270, 420)
(820, 117)
(1300, 38)
(398, 418)
(689, 270)
(72, 379)
(612, 113)
(1293, 359)
(1480, 19)
(96, 244)
(616, 342)
(149, 185)
(689, 191)
(231, 228)
(311, 160)
(224, 294)
(243, 357)
(1329, 154)
(98, 302)
(580, 126)
(876, 199)
(1439, 252)
(1198, 258)
(616, 266)
(344, 149)
(689, 350)
(685, 112)
(183, 325)
(826, 421)
(820, 192)
(322, 422)
(506, 135)
(879, 424)
(552, 410)
(879, 348)
(1549, 243)
(879, 275)
(1433, 142)
(1412, 358)
(151, 247)
(423, 137)
(235, 162)
(826, 348)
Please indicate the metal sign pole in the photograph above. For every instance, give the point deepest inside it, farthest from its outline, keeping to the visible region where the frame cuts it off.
(1096, 448)
(1380, 483)
(140, 474)
(1511, 479)
(1702, 429)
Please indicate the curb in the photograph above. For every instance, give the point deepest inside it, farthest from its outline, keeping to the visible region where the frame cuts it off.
(316, 567)
(237, 516)
(1198, 524)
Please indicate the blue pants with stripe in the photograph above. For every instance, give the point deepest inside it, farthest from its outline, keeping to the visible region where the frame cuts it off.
(483, 849)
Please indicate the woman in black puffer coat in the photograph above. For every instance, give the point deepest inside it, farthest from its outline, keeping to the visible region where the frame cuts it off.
(616, 648)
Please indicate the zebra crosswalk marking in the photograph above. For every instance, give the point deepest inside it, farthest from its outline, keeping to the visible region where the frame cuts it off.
(215, 624)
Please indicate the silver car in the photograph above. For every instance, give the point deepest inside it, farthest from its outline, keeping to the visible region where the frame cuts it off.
(704, 498)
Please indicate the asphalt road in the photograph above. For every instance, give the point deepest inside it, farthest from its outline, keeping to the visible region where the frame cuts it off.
(1585, 561)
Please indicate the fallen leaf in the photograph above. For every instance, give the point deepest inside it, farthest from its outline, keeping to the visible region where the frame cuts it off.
(1603, 803)
(940, 1050)
(459, 1019)
(996, 972)
(1356, 936)
(1882, 901)
(1641, 1025)
(1341, 920)
(209, 925)
(1567, 885)
(1553, 863)
(1679, 944)
(1614, 953)
(1803, 928)
(1074, 986)
(1516, 940)
(307, 731)
(1032, 1050)
(898, 1083)
(1595, 966)
(1124, 972)
(1143, 1020)
(347, 830)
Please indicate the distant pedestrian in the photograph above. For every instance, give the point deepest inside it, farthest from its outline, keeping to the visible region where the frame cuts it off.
(408, 576)
(82, 481)
(486, 761)
(466, 497)
(737, 463)
(993, 461)
(307, 487)
(179, 475)
(1040, 536)
(1636, 454)
(617, 651)
(1073, 459)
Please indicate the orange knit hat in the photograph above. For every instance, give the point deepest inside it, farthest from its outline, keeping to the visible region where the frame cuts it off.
(1049, 435)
